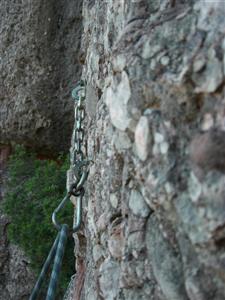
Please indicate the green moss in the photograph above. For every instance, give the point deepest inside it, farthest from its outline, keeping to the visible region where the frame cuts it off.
(34, 189)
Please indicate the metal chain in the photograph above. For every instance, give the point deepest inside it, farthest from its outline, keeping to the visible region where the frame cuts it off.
(81, 171)
(78, 95)
(80, 163)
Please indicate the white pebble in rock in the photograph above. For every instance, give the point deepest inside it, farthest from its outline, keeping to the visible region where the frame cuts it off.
(113, 200)
(164, 147)
(158, 138)
(116, 99)
(142, 138)
(165, 60)
(138, 205)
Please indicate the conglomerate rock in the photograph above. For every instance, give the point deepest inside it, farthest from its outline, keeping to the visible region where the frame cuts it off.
(154, 213)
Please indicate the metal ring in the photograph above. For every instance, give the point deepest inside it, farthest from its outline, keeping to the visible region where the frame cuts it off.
(75, 92)
(78, 156)
(74, 191)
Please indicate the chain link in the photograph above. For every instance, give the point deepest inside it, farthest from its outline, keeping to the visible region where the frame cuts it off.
(81, 171)
(80, 163)
(78, 95)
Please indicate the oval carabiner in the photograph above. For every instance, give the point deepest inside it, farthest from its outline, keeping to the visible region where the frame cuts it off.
(58, 208)
(77, 224)
(78, 213)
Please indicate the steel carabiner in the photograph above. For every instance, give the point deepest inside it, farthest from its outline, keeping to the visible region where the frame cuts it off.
(78, 221)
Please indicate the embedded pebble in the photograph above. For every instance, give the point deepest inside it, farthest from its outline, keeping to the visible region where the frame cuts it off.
(142, 138)
(138, 205)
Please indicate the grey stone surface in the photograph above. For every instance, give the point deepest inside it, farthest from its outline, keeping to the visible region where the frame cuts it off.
(138, 205)
(39, 65)
(16, 275)
(109, 279)
(155, 206)
(21, 279)
(166, 263)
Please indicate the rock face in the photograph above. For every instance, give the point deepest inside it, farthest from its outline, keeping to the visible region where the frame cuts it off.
(154, 210)
(39, 54)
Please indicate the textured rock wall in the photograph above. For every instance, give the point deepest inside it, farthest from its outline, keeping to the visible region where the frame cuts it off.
(39, 63)
(154, 210)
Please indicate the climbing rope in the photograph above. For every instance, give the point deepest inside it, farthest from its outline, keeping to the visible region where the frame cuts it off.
(81, 170)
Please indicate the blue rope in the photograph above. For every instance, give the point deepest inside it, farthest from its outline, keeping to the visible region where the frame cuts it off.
(57, 262)
(56, 253)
